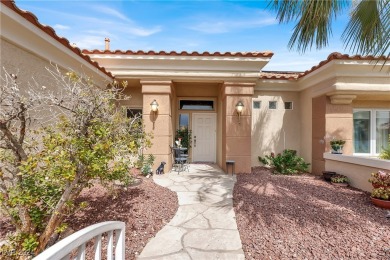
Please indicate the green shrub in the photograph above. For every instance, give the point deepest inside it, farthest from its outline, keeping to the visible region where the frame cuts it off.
(147, 164)
(339, 179)
(287, 162)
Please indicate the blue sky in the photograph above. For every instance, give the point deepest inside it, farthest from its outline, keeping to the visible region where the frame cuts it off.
(180, 26)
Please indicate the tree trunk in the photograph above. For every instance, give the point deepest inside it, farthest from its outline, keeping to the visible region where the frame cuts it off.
(57, 215)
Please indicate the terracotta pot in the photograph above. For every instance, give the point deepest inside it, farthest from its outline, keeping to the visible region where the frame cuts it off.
(340, 184)
(385, 204)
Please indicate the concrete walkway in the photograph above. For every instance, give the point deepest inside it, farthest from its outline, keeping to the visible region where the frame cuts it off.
(204, 226)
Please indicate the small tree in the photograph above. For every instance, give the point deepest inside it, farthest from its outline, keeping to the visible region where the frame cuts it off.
(44, 166)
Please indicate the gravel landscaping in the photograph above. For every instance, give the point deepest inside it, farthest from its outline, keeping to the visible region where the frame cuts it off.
(304, 217)
(145, 208)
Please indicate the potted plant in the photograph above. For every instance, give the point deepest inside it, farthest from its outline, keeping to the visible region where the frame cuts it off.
(328, 175)
(337, 146)
(380, 179)
(339, 180)
(380, 197)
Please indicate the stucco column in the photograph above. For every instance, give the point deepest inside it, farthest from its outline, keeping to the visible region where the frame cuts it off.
(159, 124)
(236, 131)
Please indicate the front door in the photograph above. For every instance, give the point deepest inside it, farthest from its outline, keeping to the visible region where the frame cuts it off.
(204, 131)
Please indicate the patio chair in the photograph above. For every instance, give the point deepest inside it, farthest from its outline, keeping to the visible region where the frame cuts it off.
(180, 160)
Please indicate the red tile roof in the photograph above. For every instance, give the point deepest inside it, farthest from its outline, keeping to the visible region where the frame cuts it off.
(339, 56)
(51, 32)
(267, 54)
(283, 75)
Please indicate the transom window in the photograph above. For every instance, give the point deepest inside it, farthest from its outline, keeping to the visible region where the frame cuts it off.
(370, 130)
(197, 105)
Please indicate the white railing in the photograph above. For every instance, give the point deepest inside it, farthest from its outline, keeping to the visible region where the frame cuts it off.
(65, 247)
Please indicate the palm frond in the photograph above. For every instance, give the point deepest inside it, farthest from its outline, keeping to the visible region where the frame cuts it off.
(368, 31)
(314, 20)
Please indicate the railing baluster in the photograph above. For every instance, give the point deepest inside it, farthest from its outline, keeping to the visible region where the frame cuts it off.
(67, 257)
(98, 247)
(81, 252)
(110, 244)
(120, 244)
(66, 246)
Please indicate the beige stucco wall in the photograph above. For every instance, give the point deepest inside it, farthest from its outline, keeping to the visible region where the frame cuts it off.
(27, 66)
(159, 124)
(306, 125)
(318, 134)
(275, 130)
(339, 125)
(136, 99)
(197, 89)
(219, 132)
(32, 73)
(372, 104)
(358, 170)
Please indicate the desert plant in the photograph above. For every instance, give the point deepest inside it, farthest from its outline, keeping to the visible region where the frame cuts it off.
(285, 163)
(147, 165)
(385, 153)
(55, 140)
(380, 178)
(381, 193)
(337, 145)
(338, 178)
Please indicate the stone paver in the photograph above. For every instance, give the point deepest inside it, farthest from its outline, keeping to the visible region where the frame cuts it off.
(204, 226)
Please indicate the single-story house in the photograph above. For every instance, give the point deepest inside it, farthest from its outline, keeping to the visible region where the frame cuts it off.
(344, 96)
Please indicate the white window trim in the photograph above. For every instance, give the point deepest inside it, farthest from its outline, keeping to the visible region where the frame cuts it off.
(372, 130)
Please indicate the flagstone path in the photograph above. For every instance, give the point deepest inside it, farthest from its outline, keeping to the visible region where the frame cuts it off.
(204, 226)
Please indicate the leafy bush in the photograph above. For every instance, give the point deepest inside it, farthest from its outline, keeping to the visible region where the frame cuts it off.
(339, 179)
(380, 178)
(147, 164)
(381, 193)
(385, 153)
(287, 163)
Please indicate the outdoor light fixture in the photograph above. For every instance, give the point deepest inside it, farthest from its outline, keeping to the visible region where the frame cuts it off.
(154, 106)
(239, 108)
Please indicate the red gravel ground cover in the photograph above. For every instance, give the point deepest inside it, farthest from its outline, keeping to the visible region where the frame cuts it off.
(304, 217)
(145, 208)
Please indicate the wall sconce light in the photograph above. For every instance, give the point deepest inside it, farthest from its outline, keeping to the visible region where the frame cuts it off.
(239, 108)
(154, 107)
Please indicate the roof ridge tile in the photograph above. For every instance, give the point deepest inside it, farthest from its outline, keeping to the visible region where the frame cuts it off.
(182, 53)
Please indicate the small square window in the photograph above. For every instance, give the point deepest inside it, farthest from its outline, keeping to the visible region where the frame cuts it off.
(256, 104)
(133, 112)
(272, 105)
(288, 105)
